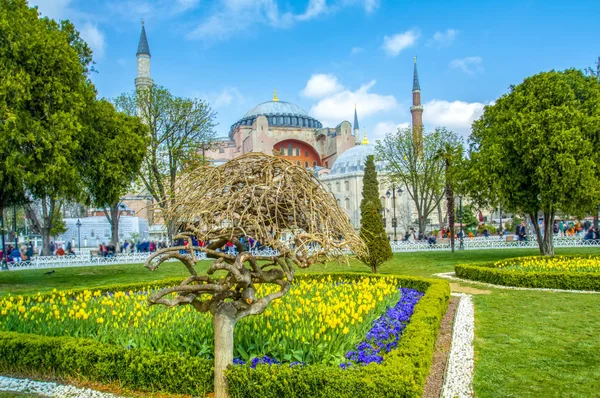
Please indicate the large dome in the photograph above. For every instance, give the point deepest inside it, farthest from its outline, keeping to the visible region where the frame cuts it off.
(279, 114)
(276, 108)
(353, 160)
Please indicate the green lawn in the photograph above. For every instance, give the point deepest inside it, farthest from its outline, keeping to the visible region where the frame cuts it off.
(528, 344)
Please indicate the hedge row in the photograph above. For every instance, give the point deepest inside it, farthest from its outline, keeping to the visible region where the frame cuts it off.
(489, 273)
(402, 372)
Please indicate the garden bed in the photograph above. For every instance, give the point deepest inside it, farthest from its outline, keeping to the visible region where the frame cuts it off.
(558, 272)
(282, 332)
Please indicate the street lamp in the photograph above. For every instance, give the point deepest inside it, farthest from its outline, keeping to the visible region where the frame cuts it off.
(78, 224)
(394, 219)
(462, 244)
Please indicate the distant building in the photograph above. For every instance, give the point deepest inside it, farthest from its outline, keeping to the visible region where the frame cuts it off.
(96, 230)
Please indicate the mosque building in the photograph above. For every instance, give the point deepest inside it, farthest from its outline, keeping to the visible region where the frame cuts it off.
(335, 154)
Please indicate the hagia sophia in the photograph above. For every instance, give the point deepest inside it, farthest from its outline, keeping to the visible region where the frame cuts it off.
(335, 154)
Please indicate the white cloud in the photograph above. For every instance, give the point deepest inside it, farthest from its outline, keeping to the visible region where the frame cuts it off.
(443, 39)
(356, 50)
(227, 96)
(393, 45)
(468, 64)
(55, 9)
(314, 9)
(383, 128)
(94, 38)
(339, 106)
(229, 17)
(457, 116)
(184, 5)
(321, 85)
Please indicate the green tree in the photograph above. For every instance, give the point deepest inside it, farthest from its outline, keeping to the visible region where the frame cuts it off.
(418, 166)
(372, 231)
(115, 146)
(533, 149)
(44, 93)
(180, 130)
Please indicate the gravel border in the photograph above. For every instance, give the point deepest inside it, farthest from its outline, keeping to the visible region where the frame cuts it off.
(452, 276)
(49, 389)
(459, 375)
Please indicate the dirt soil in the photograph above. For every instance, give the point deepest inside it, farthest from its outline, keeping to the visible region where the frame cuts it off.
(435, 379)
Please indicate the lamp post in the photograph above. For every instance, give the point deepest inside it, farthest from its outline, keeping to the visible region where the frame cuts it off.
(394, 219)
(78, 224)
(462, 244)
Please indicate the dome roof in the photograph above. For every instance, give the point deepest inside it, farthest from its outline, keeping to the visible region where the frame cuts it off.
(353, 160)
(276, 108)
(278, 114)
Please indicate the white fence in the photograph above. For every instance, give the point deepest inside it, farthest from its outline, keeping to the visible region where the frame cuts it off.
(495, 242)
(477, 243)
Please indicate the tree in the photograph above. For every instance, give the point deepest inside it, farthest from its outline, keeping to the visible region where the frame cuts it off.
(179, 130)
(595, 73)
(115, 146)
(451, 154)
(44, 93)
(372, 231)
(255, 196)
(533, 149)
(417, 166)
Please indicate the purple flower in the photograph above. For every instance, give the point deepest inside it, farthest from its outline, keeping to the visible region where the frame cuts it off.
(385, 331)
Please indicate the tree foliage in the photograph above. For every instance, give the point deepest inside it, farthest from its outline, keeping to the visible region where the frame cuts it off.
(44, 93)
(451, 153)
(115, 145)
(179, 130)
(532, 152)
(372, 231)
(419, 168)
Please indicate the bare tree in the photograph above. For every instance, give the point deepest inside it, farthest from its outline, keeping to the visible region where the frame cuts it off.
(181, 129)
(254, 196)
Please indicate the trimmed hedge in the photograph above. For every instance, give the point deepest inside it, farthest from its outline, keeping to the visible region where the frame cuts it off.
(487, 272)
(402, 373)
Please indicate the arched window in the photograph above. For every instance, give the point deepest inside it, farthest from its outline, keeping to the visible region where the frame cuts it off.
(294, 121)
(298, 163)
(281, 120)
(282, 149)
(298, 151)
(305, 164)
(347, 204)
(346, 185)
(290, 149)
(314, 164)
(383, 201)
(337, 186)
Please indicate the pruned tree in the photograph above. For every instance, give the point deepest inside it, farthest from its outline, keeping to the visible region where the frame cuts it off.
(533, 150)
(180, 131)
(254, 196)
(372, 230)
(115, 145)
(451, 153)
(417, 166)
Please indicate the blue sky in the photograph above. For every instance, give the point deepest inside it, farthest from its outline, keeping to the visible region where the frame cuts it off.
(327, 55)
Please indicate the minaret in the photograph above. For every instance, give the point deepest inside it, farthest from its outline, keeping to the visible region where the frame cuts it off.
(356, 128)
(417, 109)
(143, 79)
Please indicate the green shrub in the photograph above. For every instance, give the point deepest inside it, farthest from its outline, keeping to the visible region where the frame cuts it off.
(402, 373)
(487, 272)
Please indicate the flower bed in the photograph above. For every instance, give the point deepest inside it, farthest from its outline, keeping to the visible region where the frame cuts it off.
(559, 272)
(317, 321)
(402, 370)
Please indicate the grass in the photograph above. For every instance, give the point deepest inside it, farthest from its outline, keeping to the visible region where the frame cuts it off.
(527, 344)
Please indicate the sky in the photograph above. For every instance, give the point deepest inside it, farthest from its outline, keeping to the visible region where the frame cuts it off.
(329, 55)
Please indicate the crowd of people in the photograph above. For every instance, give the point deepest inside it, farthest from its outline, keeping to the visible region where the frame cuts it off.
(126, 247)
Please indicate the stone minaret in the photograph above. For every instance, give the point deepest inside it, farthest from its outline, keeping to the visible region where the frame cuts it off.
(143, 79)
(356, 130)
(417, 109)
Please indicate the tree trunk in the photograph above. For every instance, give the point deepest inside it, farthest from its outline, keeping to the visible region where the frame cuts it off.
(4, 258)
(422, 224)
(113, 219)
(223, 325)
(595, 219)
(451, 218)
(46, 242)
(545, 242)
